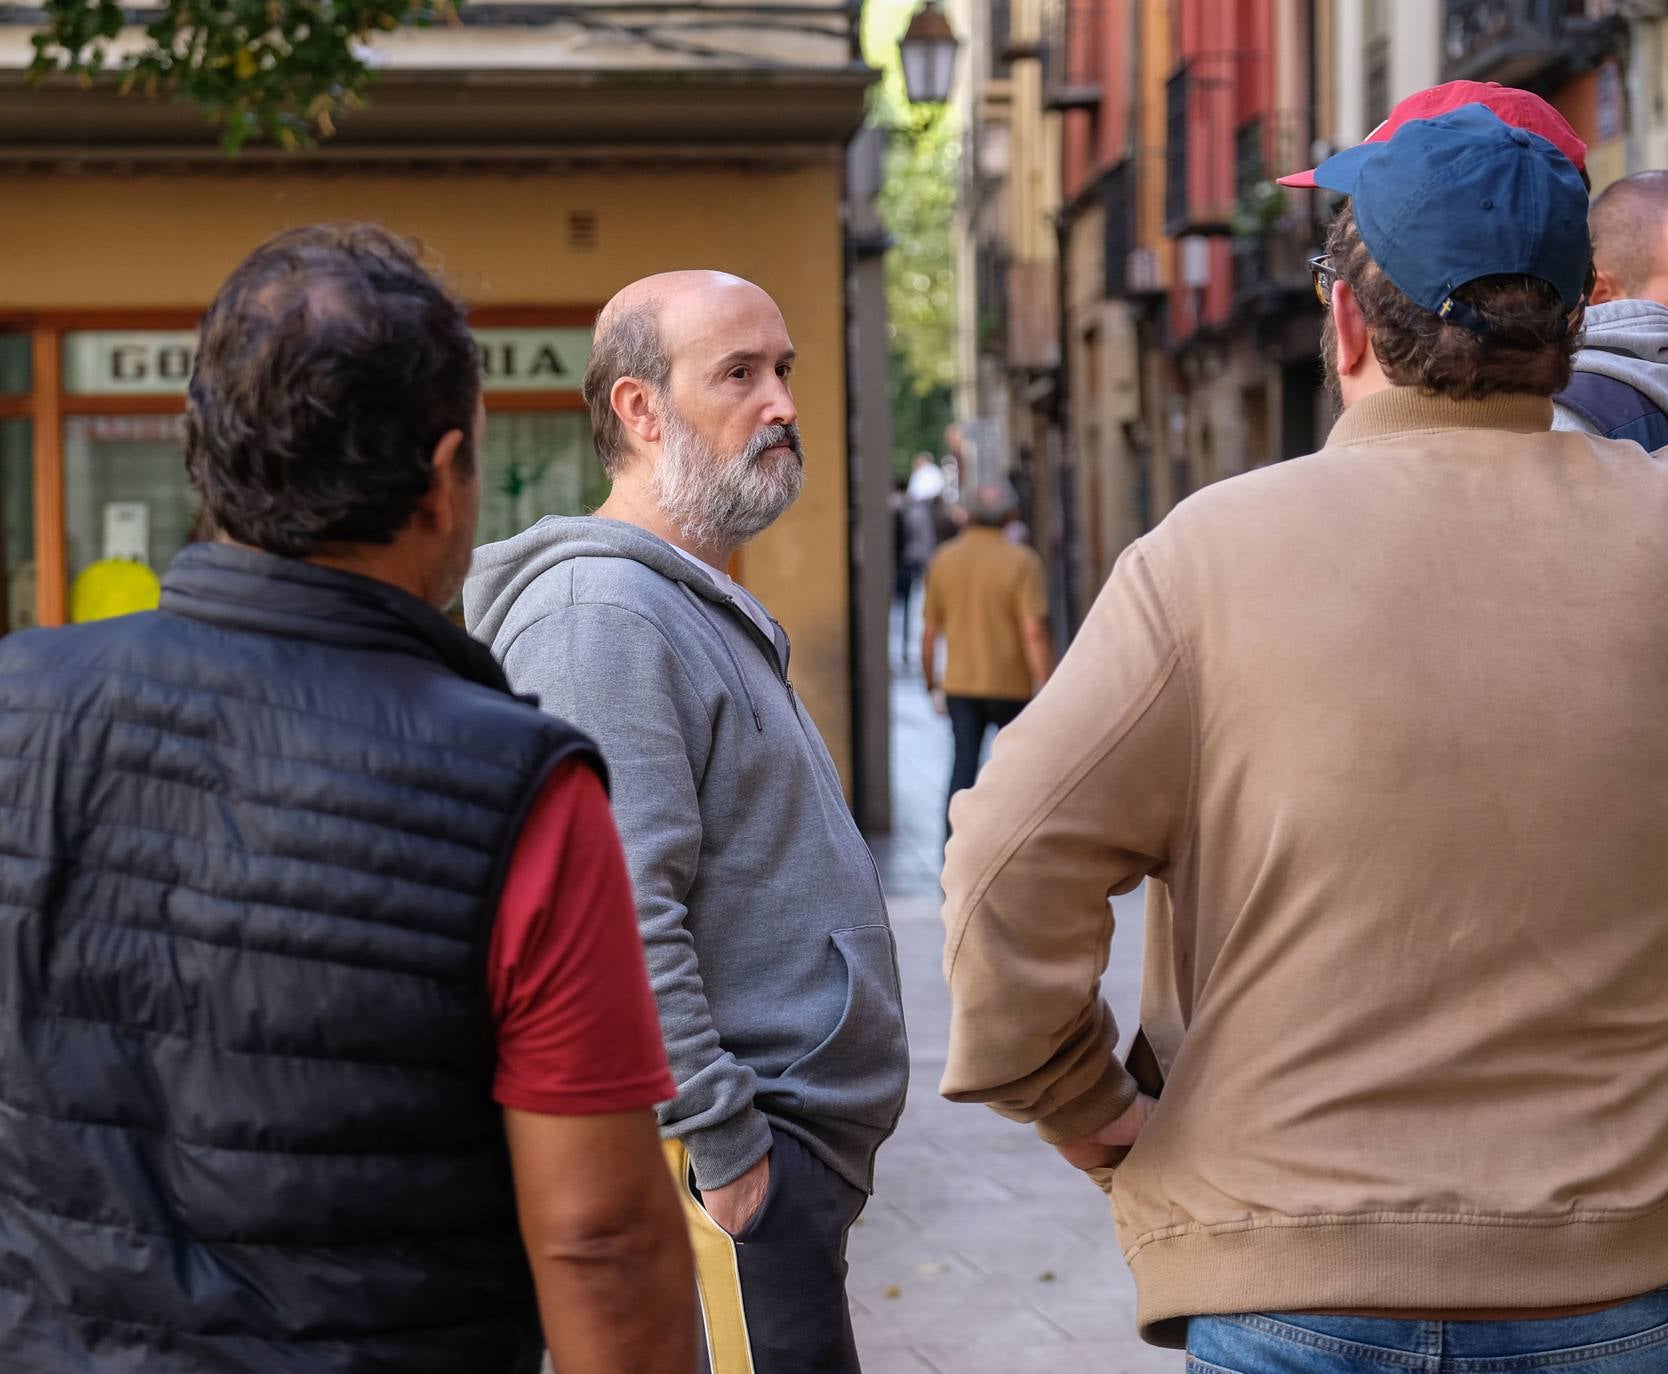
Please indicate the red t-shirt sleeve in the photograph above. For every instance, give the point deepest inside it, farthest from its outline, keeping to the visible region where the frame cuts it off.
(577, 1029)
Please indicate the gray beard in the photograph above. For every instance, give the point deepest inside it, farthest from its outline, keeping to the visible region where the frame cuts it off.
(720, 502)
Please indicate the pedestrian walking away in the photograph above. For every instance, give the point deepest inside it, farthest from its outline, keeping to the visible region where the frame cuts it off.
(987, 599)
(760, 908)
(327, 1041)
(1381, 729)
(1620, 386)
(913, 540)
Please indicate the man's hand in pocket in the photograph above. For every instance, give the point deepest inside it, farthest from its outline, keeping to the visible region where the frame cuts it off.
(1111, 1142)
(737, 1202)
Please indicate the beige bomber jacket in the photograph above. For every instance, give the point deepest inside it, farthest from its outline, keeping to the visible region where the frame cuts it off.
(1387, 727)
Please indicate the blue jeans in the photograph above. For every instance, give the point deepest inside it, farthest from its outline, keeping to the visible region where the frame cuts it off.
(1629, 1339)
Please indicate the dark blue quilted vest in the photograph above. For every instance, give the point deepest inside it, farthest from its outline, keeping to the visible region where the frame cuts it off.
(1616, 410)
(250, 849)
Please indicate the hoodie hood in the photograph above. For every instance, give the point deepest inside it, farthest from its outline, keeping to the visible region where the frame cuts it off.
(1628, 340)
(501, 572)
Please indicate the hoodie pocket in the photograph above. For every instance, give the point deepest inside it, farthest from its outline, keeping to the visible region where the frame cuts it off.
(860, 1071)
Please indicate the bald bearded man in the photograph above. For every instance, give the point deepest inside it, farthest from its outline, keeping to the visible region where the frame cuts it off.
(761, 911)
(1619, 389)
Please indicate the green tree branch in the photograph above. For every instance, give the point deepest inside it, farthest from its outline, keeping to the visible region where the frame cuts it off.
(280, 70)
(917, 204)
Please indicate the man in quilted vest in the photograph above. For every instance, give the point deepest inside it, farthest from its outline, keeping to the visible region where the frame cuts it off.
(325, 1039)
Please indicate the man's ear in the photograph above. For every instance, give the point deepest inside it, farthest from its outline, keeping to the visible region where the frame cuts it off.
(1353, 339)
(439, 503)
(1606, 288)
(634, 404)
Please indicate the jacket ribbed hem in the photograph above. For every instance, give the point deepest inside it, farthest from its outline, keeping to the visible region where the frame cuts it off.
(1112, 1095)
(1294, 1265)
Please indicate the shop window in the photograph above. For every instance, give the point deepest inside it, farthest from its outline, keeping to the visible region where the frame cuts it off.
(15, 353)
(533, 465)
(98, 436)
(17, 524)
(127, 510)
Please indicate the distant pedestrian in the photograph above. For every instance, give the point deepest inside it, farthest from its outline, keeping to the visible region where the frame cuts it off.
(325, 1040)
(1382, 730)
(987, 599)
(1620, 386)
(913, 542)
(761, 910)
(926, 478)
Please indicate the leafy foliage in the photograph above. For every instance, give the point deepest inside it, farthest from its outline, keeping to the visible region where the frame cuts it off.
(273, 69)
(919, 418)
(917, 204)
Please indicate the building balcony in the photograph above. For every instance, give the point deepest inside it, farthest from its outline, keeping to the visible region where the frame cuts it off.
(1272, 269)
(1510, 41)
(1273, 234)
(1071, 54)
(991, 299)
(1117, 196)
(1133, 269)
(1201, 169)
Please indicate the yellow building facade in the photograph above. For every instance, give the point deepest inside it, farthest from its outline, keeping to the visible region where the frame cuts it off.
(536, 210)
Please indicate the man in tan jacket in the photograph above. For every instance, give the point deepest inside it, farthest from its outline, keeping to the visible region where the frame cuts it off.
(988, 598)
(1385, 728)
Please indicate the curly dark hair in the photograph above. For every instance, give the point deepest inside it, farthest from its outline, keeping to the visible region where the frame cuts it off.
(1529, 347)
(330, 365)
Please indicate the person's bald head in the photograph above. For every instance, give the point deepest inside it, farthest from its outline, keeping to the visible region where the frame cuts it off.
(1629, 220)
(692, 409)
(652, 325)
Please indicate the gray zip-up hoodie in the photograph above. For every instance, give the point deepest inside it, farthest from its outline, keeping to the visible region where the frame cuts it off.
(763, 920)
(1627, 340)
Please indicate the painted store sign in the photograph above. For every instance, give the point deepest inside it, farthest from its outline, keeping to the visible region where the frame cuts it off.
(155, 362)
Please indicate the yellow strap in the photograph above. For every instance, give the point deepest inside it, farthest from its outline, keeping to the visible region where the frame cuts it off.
(716, 1275)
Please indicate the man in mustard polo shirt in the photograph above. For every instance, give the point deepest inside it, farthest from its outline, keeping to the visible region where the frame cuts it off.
(988, 598)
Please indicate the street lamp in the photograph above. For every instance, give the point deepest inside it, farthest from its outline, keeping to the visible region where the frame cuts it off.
(928, 50)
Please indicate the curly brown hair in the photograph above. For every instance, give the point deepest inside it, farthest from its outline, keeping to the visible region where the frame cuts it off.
(1530, 345)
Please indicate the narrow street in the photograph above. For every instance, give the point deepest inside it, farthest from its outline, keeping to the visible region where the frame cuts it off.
(982, 1251)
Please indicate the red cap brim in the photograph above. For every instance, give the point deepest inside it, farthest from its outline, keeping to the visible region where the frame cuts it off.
(1305, 180)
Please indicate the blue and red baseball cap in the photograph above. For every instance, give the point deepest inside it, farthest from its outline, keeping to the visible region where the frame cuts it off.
(1522, 109)
(1462, 196)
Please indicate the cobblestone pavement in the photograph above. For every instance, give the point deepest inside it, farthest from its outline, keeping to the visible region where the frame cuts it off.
(982, 1251)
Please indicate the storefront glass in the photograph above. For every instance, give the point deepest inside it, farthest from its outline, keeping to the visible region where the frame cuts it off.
(15, 364)
(17, 524)
(533, 465)
(127, 510)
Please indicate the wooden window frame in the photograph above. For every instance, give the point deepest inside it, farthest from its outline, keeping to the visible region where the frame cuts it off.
(47, 407)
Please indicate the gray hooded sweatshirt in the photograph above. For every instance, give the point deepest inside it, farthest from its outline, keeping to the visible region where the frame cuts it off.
(1626, 340)
(761, 910)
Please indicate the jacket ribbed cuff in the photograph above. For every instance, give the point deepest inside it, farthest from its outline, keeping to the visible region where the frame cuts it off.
(1104, 1103)
(723, 1152)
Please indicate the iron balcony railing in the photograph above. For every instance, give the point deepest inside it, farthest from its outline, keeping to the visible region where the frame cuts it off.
(1274, 234)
